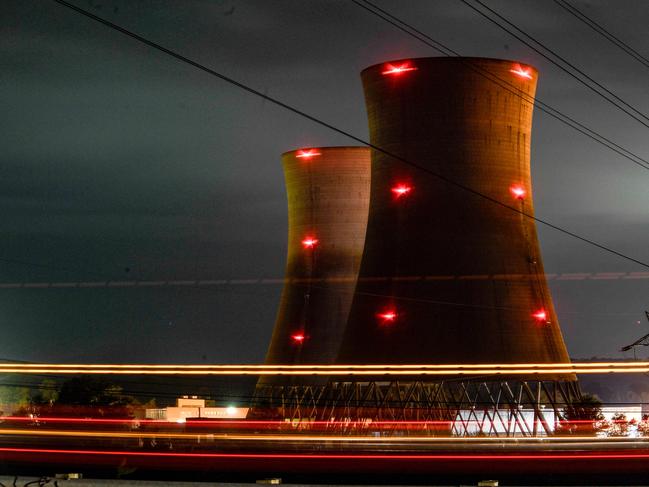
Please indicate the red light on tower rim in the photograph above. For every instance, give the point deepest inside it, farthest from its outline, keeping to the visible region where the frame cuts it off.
(387, 316)
(518, 192)
(541, 315)
(397, 70)
(307, 153)
(309, 242)
(523, 73)
(401, 190)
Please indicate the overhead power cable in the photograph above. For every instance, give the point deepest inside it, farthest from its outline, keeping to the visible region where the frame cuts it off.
(226, 285)
(485, 308)
(340, 131)
(605, 93)
(259, 280)
(537, 102)
(574, 11)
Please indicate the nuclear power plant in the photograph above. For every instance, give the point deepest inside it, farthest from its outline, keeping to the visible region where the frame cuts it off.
(437, 249)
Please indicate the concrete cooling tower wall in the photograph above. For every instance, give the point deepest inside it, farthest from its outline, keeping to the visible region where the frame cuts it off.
(447, 276)
(328, 199)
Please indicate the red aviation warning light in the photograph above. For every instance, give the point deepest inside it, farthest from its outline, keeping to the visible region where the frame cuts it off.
(298, 338)
(541, 315)
(401, 190)
(309, 242)
(387, 317)
(523, 73)
(307, 153)
(518, 192)
(397, 70)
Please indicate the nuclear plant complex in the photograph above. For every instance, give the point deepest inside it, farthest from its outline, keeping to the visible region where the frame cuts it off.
(421, 250)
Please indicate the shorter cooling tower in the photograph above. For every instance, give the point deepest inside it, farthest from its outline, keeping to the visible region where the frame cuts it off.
(328, 199)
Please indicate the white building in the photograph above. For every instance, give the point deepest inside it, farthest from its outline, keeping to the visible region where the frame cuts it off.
(193, 407)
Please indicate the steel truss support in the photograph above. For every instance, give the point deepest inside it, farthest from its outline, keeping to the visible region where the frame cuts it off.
(462, 408)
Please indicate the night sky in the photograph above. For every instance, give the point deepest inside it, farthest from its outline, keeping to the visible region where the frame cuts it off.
(120, 163)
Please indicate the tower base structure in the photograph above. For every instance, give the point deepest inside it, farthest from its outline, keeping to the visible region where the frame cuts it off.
(452, 407)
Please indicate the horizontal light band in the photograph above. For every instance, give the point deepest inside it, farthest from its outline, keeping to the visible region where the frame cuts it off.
(568, 455)
(333, 370)
(552, 365)
(315, 438)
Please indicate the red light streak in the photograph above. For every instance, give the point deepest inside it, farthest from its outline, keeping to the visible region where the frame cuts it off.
(401, 190)
(397, 70)
(346, 438)
(256, 423)
(518, 192)
(523, 73)
(307, 153)
(315, 456)
(309, 242)
(59, 419)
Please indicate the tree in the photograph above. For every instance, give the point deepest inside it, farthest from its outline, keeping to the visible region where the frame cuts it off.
(643, 425)
(47, 393)
(619, 426)
(583, 417)
(94, 396)
(13, 398)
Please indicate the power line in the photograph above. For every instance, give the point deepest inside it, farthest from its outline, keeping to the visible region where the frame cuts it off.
(333, 128)
(574, 11)
(639, 117)
(226, 285)
(484, 308)
(537, 102)
(187, 283)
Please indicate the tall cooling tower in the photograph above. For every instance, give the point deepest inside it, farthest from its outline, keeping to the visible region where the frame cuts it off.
(328, 200)
(448, 276)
